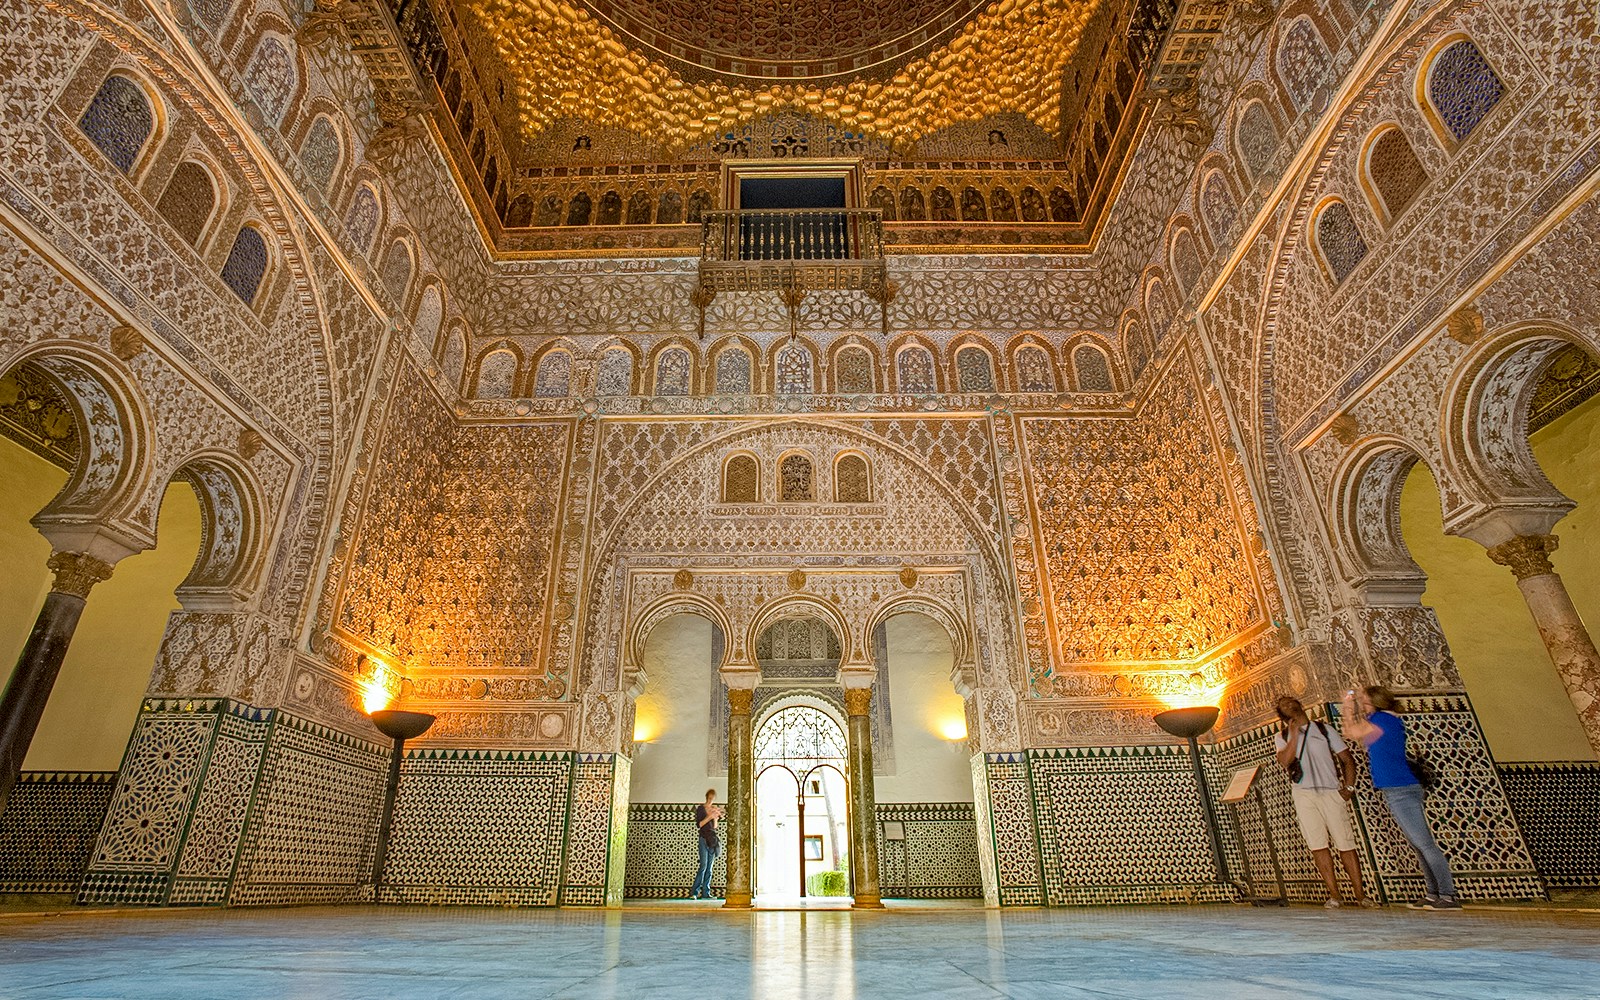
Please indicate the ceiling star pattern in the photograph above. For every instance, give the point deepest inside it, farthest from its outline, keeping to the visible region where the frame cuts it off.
(566, 63)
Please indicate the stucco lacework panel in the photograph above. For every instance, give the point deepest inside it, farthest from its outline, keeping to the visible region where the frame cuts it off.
(1145, 559)
(452, 563)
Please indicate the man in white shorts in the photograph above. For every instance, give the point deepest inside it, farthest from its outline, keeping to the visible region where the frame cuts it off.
(1322, 772)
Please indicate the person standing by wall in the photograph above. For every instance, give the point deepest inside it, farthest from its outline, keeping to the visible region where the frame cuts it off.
(1322, 775)
(1369, 717)
(706, 816)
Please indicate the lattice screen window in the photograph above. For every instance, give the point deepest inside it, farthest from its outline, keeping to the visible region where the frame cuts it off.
(320, 153)
(497, 375)
(733, 372)
(672, 372)
(1138, 351)
(1302, 62)
(361, 221)
(553, 379)
(1186, 260)
(974, 370)
(914, 369)
(852, 371)
(1257, 139)
(246, 264)
(1463, 88)
(271, 78)
(616, 372)
(1092, 368)
(188, 201)
(741, 480)
(397, 270)
(794, 370)
(1340, 241)
(795, 479)
(119, 121)
(1218, 208)
(1396, 173)
(1033, 371)
(852, 480)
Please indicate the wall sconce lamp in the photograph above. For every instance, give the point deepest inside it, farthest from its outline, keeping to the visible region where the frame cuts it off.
(398, 726)
(1190, 724)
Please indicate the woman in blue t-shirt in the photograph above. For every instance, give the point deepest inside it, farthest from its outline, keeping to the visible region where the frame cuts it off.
(1384, 735)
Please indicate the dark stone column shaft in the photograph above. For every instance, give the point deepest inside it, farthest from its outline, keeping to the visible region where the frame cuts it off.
(22, 706)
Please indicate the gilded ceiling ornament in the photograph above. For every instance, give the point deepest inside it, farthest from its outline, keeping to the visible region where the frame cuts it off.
(797, 579)
(908, 576)
(1008, 58)
(250, 443)
(682, 580)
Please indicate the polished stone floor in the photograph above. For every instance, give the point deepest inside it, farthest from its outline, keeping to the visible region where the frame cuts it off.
(1228, 953)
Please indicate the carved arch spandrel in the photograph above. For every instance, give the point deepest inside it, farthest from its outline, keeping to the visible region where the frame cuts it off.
(1485, 424)
(1365, 499)
(231, 516)
(637, 631)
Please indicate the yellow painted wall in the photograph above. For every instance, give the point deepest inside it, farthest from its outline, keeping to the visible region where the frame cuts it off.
(1522, 704)
(96, 697)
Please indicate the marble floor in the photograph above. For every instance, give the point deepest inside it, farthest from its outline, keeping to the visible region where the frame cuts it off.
(1229, 953)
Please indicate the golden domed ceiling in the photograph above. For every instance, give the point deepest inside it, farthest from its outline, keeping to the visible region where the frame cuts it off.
(678, 71)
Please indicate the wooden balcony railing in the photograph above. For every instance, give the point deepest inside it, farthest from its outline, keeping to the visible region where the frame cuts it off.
(792, 252)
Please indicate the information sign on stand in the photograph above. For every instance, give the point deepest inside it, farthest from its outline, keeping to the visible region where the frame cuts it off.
(1241, 786)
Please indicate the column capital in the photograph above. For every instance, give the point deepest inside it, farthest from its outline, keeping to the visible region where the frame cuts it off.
(740, 700)
(1526, 555)
(858, 701)
(77, 572)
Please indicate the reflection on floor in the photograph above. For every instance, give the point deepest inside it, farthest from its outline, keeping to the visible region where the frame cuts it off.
(1232, 953)
(778, 902)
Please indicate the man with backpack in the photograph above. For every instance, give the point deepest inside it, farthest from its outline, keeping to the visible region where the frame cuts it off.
(1322, 776)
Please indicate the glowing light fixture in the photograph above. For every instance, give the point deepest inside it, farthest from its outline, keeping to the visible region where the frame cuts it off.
(375, 696)
(954, 729)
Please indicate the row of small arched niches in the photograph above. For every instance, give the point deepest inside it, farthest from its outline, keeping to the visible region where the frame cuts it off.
(729, 370)
(795, 479)
(905, 202)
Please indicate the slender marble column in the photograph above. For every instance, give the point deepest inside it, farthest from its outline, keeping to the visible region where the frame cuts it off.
(863, 801)
(1570, 646)
(23, 703)
(741, 762)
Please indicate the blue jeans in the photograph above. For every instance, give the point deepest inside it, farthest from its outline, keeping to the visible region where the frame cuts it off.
(702, 877)
(1405, 805)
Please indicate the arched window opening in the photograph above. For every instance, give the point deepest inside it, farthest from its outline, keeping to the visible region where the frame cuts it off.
(795, 479)
(852, 480)
(1463, 88)
(497, 375)
(672, 372)
(246, 264)
(733, 372)
(396, 269)
(914, 370)
(616, 372)
(1092, 368)
(1397, 175)
(553, 378)
(974, 370)
(1186, 261)
(1257, 139)
(741, 480)
(361, 221)
(1302, 62)
(271, 77)
(188, 201)
(852, 371)
(321, 152)
(1340, 241)
(119, 121)
(1218, 208)
(1033, 371)
(794, 370)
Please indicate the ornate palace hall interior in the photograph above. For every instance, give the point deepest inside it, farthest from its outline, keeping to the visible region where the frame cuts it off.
(444, 441)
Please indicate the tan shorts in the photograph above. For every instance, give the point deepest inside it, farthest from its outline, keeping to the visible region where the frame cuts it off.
(1323, 817)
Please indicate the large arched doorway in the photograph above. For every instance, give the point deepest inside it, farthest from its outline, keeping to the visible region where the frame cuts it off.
(801, 803)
